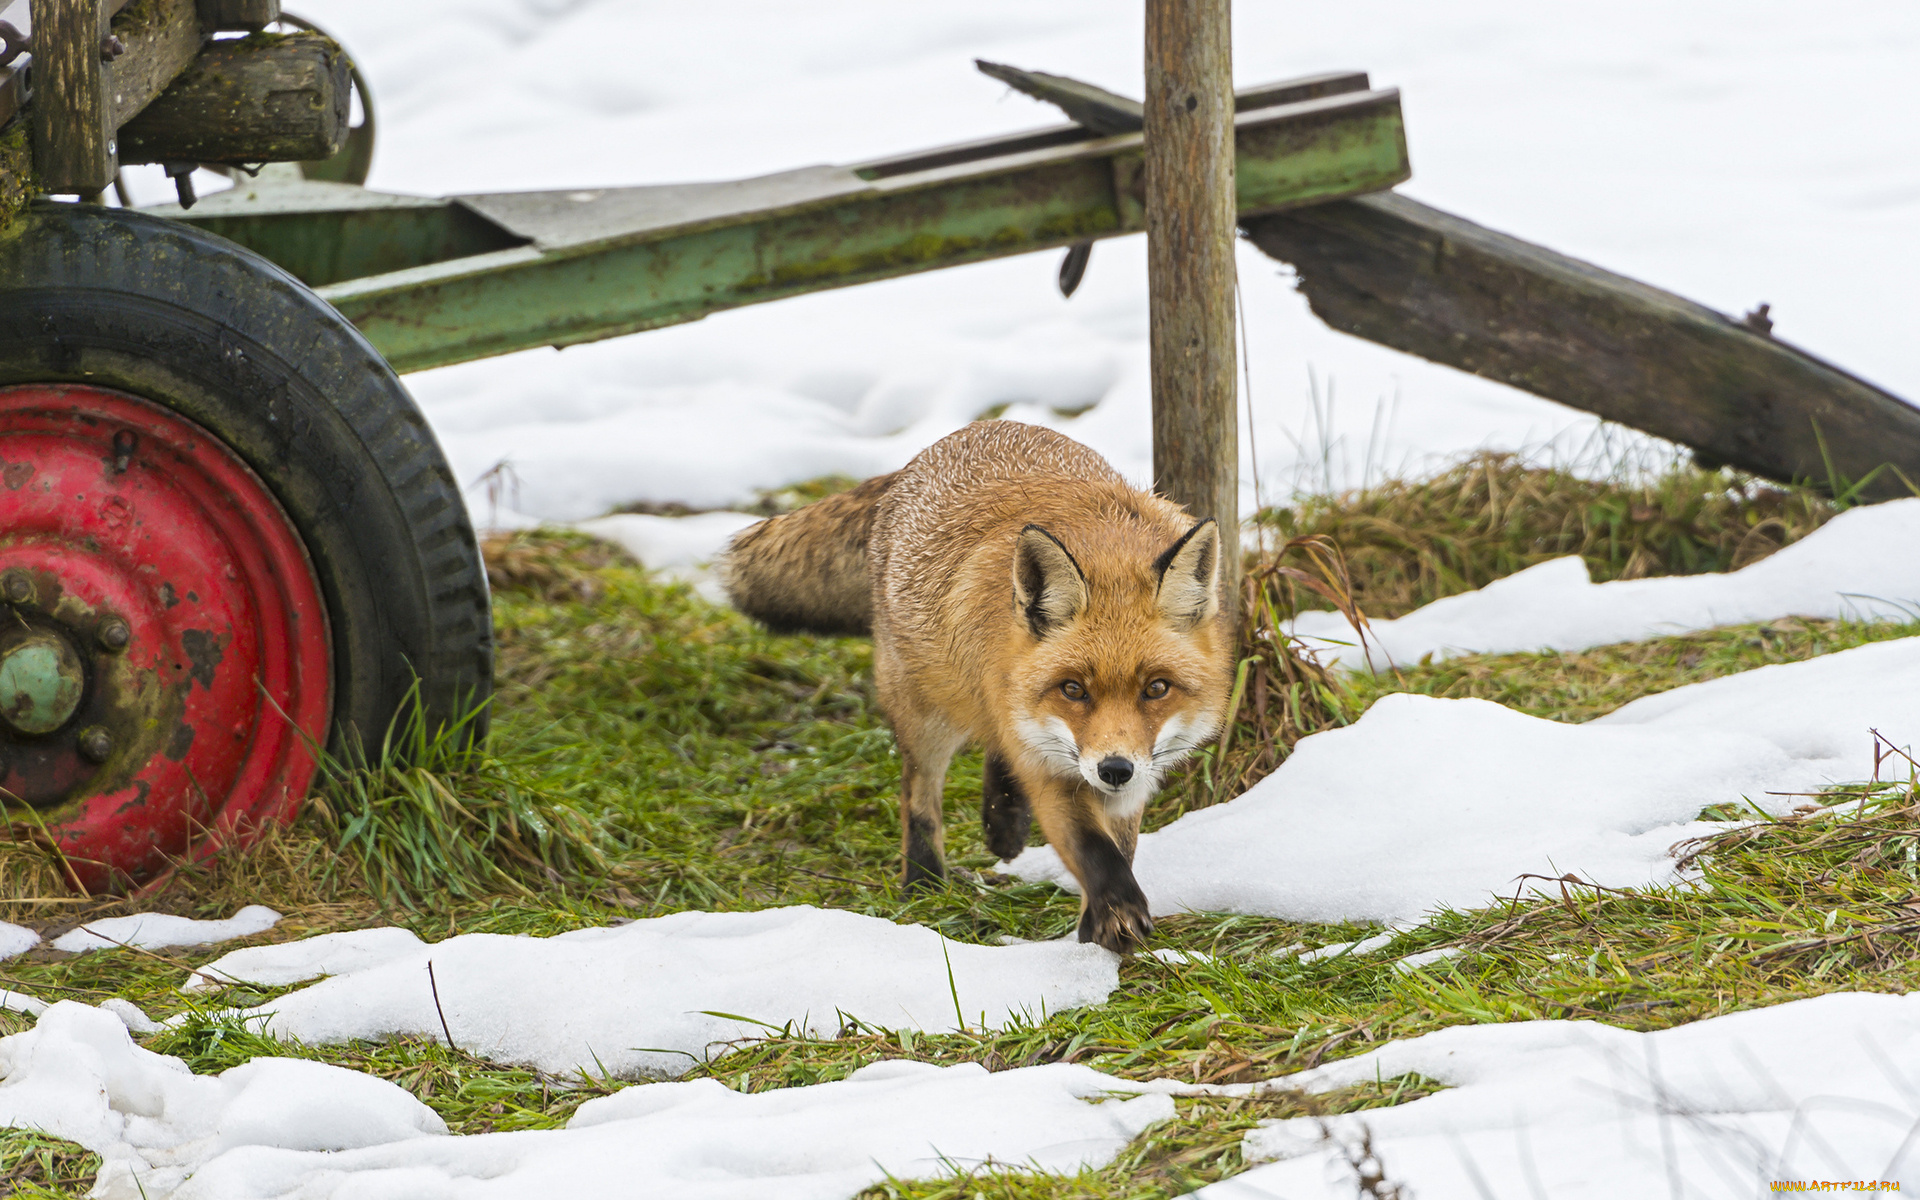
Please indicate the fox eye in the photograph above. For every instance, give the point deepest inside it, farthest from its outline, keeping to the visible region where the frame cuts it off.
(1157, 689)
(1072, 690)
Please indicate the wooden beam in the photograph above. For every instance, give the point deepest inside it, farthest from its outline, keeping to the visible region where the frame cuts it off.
(272, 98)
(13, 93)
(1397, 272)
(73, 147)
(156, 41)
(236, 15)
(160, 38)
(1086, 104)
(1110, 113)
(1190, 270)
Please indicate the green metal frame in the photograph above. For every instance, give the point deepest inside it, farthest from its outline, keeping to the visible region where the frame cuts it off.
(439, 281)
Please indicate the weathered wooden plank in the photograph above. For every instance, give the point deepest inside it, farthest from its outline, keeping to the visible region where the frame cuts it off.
(1108, 113)
(155, 42)
(159, 38)
(1397, 272)
(13, 93)
(268, 98)
(1296, 91)
(250, 15)
(1189, 146)
(1086, 104)
(73, 148)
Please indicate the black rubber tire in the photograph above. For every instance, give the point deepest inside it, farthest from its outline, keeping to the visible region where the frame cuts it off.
(218, 334)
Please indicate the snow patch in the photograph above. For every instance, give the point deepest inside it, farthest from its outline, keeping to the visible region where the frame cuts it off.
(703, 1141)
(653, 997)
(1850, 567)
(78, 1075)
(662, 543)
(156, 931)
(1346, 949)
(131, 1015)
(1413, 962)
(278, 1127)
(16, 939)
(676, 548)
(1427, 803)
(1823, 1088)
(310, 958)
(1181, 958)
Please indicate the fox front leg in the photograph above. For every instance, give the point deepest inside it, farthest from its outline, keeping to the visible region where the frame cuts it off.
(1006, 817)
(924, 756)
(1113, 909)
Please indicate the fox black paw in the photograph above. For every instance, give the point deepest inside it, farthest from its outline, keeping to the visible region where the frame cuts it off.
(924, 876)
(1121, 926)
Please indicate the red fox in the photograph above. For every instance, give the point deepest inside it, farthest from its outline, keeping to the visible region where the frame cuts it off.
(1021, 595)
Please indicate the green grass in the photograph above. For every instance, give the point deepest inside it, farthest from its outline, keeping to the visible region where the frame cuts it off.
(34, 1165)
(653, 754)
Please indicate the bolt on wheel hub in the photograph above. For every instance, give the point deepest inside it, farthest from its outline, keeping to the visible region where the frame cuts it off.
(41, 679)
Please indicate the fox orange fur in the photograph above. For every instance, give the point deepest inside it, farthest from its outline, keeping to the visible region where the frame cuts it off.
(1023, 596)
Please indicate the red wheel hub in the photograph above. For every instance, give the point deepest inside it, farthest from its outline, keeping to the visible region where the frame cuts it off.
(165, 667)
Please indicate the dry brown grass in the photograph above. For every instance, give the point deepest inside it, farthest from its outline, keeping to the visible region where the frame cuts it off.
(289, 870)
(1279, 694)
(552, 566)
(1382, 551)
(1409, 543)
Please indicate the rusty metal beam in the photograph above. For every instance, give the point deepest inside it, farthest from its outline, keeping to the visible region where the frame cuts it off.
(567, 267)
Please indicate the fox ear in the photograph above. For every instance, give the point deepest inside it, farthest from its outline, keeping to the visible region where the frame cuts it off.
(1048, 588)
(1189, 591)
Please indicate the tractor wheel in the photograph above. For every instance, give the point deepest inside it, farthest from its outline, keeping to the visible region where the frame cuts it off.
(227, 537)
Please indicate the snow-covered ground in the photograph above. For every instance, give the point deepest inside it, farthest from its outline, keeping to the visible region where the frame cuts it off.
(156, 931)
(656, 997)
(16, 939)
(1827, 1087)
(1819, 1089)
(1857, 566)
(1425, 803)
(279, 1127)
(1731, 151)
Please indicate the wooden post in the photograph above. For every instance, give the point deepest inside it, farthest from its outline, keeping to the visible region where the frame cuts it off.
(73, 148)
(1190, 271)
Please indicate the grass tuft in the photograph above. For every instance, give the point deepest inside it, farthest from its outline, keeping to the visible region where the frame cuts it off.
(556, 566)
(1412, 542)
(33, 1165)
(434, 815)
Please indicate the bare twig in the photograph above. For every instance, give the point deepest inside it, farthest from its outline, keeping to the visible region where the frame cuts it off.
(435, 985)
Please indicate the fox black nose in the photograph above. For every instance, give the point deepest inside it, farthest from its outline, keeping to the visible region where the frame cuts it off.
(1114, 770)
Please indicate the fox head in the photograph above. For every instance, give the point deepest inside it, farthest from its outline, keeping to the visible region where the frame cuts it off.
(1126, 668)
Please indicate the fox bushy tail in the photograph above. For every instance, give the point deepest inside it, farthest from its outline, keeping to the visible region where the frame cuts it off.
(806, 571)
